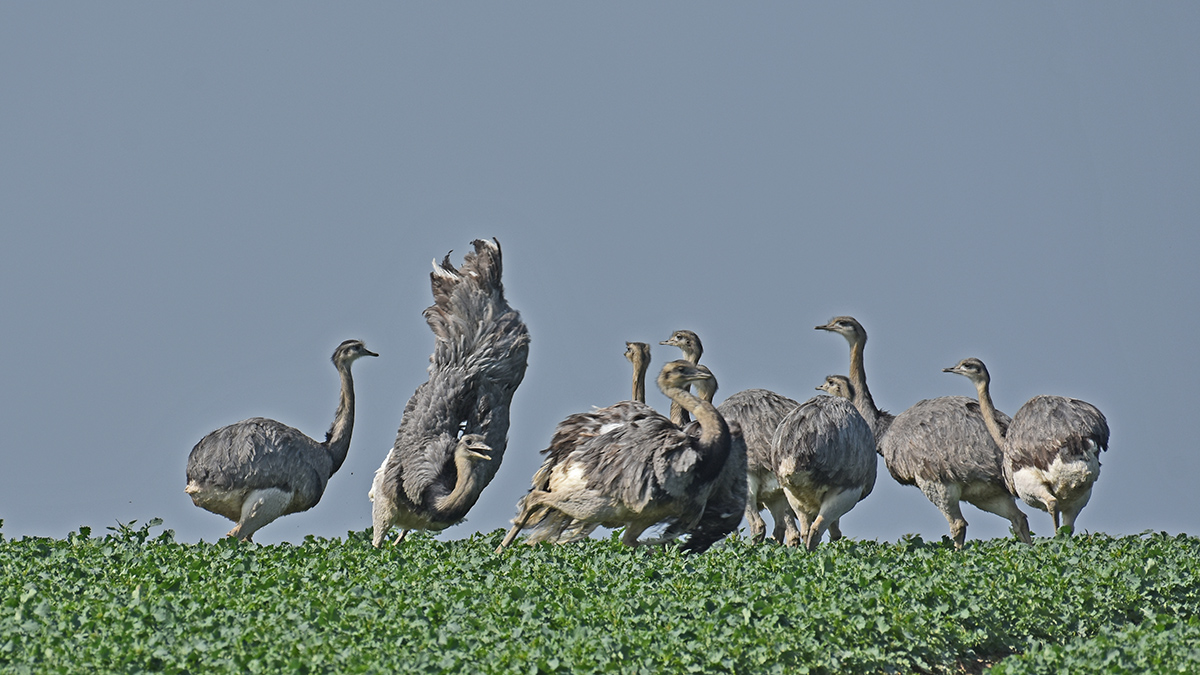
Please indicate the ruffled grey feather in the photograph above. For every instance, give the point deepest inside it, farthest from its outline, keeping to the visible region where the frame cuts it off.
(479, 360)
(628, 465)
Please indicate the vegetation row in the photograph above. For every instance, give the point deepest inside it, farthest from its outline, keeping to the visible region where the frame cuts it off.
(133, 601)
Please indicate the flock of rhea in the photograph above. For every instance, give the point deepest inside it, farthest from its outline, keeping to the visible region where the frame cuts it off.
(629, 466)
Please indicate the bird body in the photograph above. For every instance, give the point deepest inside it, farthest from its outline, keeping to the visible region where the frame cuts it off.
(257, 470)
(758, 413)
(454, 429)
(940, 445)
(640, 472)
(823, 456)
(1051, 447)
(556, 526)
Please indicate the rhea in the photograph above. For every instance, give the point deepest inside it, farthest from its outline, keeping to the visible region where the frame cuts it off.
(555, 526)
(634, 474)
(820, 460)
(454, 429)
(941, 445)
(257, 470)
(1051, 447)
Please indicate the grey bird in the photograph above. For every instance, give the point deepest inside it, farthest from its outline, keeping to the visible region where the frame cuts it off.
(726, 503)
(837, 385)
(454, 429)
(636, 472)
(1051, 447)
(553, 525)
(689, 343)
(820, 459)
(941, 445)
(790, 467)
(823, 454)
(257, 470)
(759, 412)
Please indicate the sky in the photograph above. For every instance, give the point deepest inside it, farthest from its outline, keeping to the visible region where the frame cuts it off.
(201, 200)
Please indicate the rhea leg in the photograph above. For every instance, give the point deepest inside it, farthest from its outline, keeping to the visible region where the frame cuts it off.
(259, 508)
(945, 496)
(632, 532)
(1005, 506)
(758, 528)
(835, 530)
(1071, 510)
(518, 525)
(786, 531)
(835, 504)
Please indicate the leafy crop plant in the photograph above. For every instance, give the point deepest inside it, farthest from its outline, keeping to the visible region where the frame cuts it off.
(138, 601)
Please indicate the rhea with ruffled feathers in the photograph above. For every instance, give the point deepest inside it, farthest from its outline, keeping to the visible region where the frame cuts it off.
(454, 429)
(633, 474)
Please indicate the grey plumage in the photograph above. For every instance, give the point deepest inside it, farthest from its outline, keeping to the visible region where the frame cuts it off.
(1051, 447)
(813, 460)
(758, 412)
(940, 445)
(257, 470)
(636, 472)
(454, 429)
(555, 526)
(823, 455)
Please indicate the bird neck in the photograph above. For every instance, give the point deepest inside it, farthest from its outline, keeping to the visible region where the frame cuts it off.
(858, 380)
(988, 410)
(679, 416)
(639, 382)
(714, 432)
(453, 507)
(337, 439)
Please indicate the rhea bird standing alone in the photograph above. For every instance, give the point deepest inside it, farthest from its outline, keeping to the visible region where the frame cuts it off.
(940, 445)
(257, 470)
(454, 429)
(1051, 447)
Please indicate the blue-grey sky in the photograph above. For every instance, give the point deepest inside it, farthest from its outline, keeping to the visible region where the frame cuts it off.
(200, 201)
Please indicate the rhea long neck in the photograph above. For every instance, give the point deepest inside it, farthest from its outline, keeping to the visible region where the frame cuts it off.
(453, 507)
(639, 380)
(713, 429)
(337, 440)
(988, 409)
(679, 415)
(858, 380)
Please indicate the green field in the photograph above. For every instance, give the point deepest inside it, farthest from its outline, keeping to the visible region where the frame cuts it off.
(137, 601)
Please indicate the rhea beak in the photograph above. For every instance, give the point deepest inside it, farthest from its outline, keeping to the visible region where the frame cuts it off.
(367, 352)
(479, 452)
(824, 327)
(953, 369)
